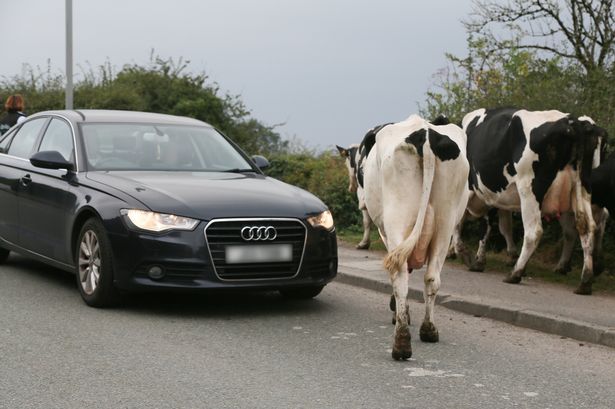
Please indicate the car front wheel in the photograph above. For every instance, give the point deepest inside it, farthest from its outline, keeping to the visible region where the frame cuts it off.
(94, 266)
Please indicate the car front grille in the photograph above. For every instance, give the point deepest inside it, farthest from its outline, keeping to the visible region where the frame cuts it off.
(222, 233)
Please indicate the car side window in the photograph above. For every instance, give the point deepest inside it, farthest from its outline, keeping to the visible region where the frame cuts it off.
(23, 142)
(58, 137)
(5, 140)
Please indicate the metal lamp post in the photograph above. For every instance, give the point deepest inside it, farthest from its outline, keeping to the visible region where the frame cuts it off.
(69, 55)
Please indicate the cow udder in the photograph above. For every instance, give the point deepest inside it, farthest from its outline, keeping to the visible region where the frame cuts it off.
(419, 255)
(559, 196)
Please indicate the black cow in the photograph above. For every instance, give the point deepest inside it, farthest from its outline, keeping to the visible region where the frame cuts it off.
(603, 204)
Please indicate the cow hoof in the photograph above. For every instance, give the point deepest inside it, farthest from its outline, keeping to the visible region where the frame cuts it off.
(429, 332)
(584, 289)
(561, 271)
(467, 259)
(402, 349)
(478, 267)
(401, 355)
(363, 246)
(512, 279)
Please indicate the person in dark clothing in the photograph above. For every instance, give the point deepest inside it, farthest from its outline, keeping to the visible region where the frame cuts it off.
(14, 107)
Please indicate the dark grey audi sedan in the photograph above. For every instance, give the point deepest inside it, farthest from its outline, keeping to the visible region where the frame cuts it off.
(133, 201)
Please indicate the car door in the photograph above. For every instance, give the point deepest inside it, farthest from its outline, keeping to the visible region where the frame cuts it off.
(15, 149)
(48, 201)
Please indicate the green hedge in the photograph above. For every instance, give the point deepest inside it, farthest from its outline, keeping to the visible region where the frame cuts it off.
(325, 176)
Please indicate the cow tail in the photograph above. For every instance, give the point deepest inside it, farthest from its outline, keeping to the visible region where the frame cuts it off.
(396, 258)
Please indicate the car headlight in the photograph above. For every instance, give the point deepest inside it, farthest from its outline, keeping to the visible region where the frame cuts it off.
(324, 220)
(158, 222)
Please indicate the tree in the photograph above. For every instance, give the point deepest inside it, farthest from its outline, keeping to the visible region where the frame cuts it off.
(580, 30)
(163, 86)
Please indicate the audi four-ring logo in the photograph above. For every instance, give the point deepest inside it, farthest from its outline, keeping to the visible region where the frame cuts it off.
(254, 233)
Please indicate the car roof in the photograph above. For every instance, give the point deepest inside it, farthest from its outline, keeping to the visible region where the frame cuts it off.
(107, 115)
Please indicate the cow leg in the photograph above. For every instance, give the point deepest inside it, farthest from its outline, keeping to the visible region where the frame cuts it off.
(367, 224)
(393, 308)
(458, 245)
(506, 229)
(587, 275)
(600, 217)
(428, 331)
(532, 232)
(402, 349)
(481, 254)
(569, 239)
(586, 227)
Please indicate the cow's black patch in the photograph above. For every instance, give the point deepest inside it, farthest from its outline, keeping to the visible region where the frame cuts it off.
(554, 142)
(352, 153)
(417, 138)
(440, 120)
(603, 184)
(443, 146)
(369, 140)
(494, 144)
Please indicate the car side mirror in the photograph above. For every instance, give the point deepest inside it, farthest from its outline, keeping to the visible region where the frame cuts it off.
(51, 160)
(260, 161)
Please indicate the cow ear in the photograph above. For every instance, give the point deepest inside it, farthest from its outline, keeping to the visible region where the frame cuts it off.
(343, 152)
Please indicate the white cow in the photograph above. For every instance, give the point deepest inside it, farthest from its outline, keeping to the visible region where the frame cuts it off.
(415, 178)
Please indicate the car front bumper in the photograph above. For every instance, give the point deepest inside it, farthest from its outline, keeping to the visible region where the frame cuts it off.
(185, 259)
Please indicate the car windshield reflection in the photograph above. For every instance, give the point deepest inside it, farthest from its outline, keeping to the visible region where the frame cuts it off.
(126, 146)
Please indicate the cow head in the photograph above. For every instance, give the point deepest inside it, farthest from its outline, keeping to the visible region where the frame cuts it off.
(591, 144)
(591, 131)
(350, 156)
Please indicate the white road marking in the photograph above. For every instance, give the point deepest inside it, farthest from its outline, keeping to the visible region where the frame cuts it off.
(436, 374)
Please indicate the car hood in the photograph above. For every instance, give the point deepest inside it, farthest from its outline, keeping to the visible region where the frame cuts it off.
(208, 195)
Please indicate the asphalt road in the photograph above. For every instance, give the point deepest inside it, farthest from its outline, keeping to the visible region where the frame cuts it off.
(261, 351)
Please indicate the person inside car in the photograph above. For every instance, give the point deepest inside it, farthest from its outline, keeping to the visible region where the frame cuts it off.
(14, 107)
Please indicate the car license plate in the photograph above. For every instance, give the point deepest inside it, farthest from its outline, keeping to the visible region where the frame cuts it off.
(259, 253)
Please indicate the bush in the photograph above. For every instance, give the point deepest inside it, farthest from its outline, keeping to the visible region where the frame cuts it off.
(325, 176)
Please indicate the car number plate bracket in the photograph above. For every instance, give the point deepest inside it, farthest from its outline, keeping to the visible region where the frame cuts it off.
(258, 253)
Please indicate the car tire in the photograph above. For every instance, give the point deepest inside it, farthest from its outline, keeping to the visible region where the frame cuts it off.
(94, 266)
(4, 255)
(301, 293)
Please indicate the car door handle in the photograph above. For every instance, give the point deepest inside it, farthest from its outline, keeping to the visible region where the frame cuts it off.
(26, 180)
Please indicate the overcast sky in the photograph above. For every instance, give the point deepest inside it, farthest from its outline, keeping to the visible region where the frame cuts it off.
(328, 69)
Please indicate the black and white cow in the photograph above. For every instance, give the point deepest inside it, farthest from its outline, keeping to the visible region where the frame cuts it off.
(538, 163)
(603, 204)
(354, 157)
(415, 179)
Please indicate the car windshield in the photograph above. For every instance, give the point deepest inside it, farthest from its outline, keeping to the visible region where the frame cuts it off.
(125, 146)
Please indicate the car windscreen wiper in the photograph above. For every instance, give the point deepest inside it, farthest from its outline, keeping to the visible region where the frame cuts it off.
(238, 170)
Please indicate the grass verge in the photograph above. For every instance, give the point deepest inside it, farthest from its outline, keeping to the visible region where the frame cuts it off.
(540, 266)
